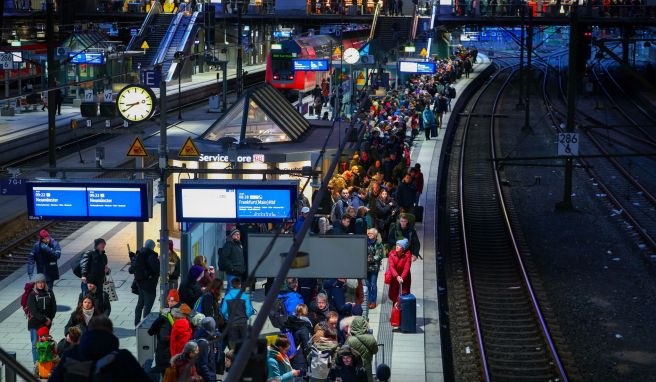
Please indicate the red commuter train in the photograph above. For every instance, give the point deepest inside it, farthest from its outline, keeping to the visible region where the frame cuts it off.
(280, 71)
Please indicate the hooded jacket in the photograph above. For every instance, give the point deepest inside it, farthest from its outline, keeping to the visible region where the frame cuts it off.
(233, 254)
(161, 328)
(206, 362)
(180, 335)
(300, 327)
(353, 373)
(96, 344)
(44, 257)
(92, 266)
(149, 284)
(41, 305)
(278, 366)
(189, 291)
(364, 343)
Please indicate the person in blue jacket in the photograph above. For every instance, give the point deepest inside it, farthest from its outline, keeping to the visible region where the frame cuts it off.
(45, 254)
(236, 311)
(289, 293)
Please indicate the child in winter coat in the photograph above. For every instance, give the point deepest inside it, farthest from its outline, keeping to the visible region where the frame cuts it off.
(46, 350)
(181, 332)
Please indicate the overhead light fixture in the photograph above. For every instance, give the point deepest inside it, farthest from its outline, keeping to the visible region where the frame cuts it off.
(276, 46)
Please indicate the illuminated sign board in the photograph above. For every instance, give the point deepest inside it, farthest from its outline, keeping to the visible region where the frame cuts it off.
(282, 34)
(417, 67)
(311, 65)
(282, 56)
(86, 58)
(88, 201)
(236, 201)
(409, 49)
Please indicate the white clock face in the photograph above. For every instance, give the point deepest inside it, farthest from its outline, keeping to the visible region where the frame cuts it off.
(351, 55)
(135, 103)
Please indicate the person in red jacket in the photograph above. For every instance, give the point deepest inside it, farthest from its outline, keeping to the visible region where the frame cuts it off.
(399, 262)
(181, 332)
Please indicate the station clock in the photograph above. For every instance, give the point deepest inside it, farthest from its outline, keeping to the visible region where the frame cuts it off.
(351, 55)
(135, 103)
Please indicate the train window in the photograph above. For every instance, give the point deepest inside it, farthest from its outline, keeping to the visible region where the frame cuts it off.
(282, 67)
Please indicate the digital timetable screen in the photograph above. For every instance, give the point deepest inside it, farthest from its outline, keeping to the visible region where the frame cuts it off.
(417, 67)
(87, 202)
(236, 201)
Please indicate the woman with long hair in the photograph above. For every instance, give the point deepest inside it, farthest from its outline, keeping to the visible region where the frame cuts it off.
(81, 316)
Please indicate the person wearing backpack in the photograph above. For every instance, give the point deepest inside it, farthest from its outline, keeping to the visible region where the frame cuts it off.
(209, 303)
(232, 260)
(285, 304)
(364, 343)
(403, 229)
(98, 358)
(236, 312)
(41, 309)
(161, 328)
(300, 327)
(146, 272)
(93, 265)
(322, 350)
(209, 350)
(44, 255)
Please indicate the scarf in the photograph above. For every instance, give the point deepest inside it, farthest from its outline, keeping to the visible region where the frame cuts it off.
(87, 313)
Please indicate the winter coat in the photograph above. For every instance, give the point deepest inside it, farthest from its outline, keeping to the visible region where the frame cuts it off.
(335, 290)
(100, 299)
(74, 321)
(185, 368)
(397, 233)
(353, 373)
(161, 328)
(428, 118)
(96, 344)
(383, 213)
(318, 315)
(45, 257)
(92, 266)
(149, 284)
(208, 354)
(300, 327)
(406, 195)
(364, 343)
(210, 307)
(339, 229)
(279, 366)
(180, 335)
(375, 254)
(41, 305)
(189, 291)
(233, 254)
(227, 306)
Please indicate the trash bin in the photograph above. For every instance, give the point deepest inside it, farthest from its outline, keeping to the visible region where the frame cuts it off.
(145, 342)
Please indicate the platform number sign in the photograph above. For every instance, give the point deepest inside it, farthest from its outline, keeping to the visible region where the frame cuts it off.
(88, 95)
(107, 95)
(6, 61)
(568, 144)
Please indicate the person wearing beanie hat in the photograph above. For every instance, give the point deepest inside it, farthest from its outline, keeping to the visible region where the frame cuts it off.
(304, 214)
(43, 331)
(205, 336)
(174, 267)
(399, 262)
(190, 289)
(93, 265)
(173, 298)
(146, 272)
(44, 256)
(41, 309)
(232, 260)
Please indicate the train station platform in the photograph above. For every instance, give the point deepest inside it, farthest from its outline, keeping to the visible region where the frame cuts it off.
(30, 122)
(412, 356)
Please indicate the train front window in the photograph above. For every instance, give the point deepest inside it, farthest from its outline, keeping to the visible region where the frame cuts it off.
(282, 67)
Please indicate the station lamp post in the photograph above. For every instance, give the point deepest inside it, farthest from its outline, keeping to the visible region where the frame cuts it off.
(179, 59)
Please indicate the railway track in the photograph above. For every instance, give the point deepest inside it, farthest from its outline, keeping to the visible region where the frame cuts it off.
(511, 338)
(631, 198)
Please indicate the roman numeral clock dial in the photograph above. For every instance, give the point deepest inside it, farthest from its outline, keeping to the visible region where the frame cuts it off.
(135, 103)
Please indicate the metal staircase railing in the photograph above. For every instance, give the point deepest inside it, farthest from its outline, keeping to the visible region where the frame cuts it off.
(184, 43)
(166, 41)
(12, 368)
(155, 9)
(372, 32)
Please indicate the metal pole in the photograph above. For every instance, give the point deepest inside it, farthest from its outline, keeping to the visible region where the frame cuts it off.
(52, 102)
(520, 102)
(239, 47)
(163, 167)
(179, 88)
(224, 86)
(566, 203)
(140, 225)
(529, 50)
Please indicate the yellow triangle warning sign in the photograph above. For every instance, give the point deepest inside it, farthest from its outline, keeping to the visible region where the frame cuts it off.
(423, 52)
(189, 149)
(145, 45)
(137, 149)
(361, 76)
(337, 52)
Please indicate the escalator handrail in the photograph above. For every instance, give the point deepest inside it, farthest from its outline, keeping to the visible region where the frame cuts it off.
(155, 9)
(184, 42)
(166, 41)
(12, 363)
(372, 32)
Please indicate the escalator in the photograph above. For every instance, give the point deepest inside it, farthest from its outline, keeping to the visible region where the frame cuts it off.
(153, 31)
(392, 32)
(180, 41)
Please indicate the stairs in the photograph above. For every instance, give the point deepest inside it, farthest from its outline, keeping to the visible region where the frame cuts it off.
(156, 30)
(387, 36)
(178, 42)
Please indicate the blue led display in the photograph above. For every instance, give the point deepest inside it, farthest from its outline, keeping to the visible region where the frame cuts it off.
(417, 67)
(274, 204)
(86, 58)
(114, 202)
(59, 201)
(311, 65)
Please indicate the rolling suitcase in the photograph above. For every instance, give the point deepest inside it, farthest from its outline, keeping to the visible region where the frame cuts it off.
(408, 313)
(419, 214)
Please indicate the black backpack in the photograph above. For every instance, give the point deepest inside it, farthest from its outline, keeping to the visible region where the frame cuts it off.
(89, 371)
(237, 311)
(278, 313)
(139, 267)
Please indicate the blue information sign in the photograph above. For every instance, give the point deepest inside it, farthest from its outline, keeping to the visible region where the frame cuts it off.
(236, 201)
(282, 33)
(151, 78)
(87, 201)
(86, 58)
(419, 67)
(311, 65)
(12, 186)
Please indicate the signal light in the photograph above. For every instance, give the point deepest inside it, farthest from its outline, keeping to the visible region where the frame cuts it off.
(291, 77)
(276, 77)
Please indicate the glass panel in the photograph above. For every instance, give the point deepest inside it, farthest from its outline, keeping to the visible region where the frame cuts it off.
(261, 126)
(230, 126)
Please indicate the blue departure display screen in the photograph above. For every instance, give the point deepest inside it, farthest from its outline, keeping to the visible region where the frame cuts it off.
(86, 58)
(274, 204)
(417, 67)
(236, 201)
(311, 65)
(92, 202)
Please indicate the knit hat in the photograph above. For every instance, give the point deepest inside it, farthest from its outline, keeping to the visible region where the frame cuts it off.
(195, 272)
(98, 241)
(43, 234)
(43, 331)
(234, 231)
(185, 309)
(39, 277)
(305, 210)
(173, 295)
(197, 319)
(149, 244)
(403, 243)
(208, 324)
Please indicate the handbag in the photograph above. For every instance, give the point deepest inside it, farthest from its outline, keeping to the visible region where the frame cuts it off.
(395, 317)
(110, 288)
(388, 277)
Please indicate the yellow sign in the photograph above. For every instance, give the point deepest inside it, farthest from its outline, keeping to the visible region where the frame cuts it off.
(189, 149)
(145, 45)
(137, 149)
(360, 79)
(423, 52)
(337, 52)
